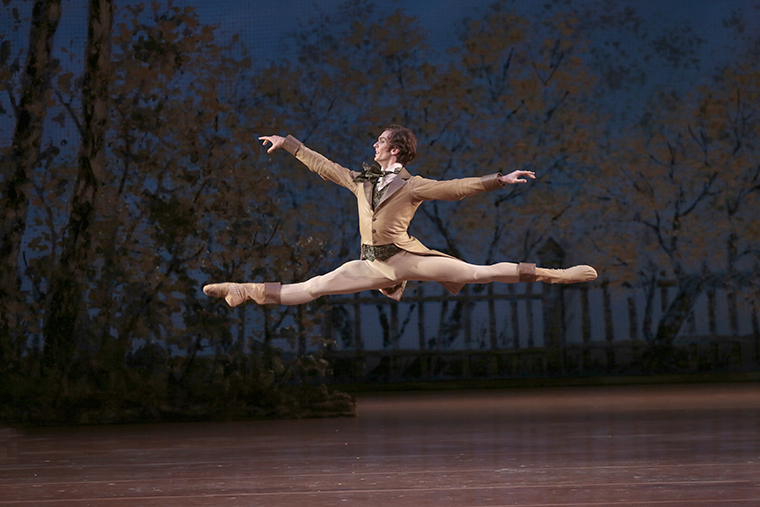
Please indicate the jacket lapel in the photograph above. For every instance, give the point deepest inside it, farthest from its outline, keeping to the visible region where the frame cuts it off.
(394, 185)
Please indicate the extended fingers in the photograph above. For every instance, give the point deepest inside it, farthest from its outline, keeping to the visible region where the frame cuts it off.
(270, 139)
(519, 176)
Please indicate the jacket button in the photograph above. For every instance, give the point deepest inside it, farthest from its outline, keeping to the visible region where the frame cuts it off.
(374, 231)
(374, 219)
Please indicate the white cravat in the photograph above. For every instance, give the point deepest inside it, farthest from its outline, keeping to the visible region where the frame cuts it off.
(389, 176)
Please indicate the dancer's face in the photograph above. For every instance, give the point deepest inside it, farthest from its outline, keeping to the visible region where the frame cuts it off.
(384, 155)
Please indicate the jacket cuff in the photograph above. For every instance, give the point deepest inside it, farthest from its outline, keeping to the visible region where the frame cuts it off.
(491, 182)
(292, 145)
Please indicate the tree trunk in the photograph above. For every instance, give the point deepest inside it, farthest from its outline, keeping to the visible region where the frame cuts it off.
(25, 151)
(68, 281)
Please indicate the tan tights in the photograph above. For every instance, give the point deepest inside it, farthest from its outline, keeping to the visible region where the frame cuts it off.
(356, 276)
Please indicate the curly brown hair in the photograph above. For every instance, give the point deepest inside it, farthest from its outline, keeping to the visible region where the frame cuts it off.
(404, 141)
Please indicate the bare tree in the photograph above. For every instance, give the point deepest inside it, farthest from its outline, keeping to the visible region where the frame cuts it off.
(67, 289)
(30, 111)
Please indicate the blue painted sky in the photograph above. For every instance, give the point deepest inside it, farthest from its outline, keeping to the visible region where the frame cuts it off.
(267, 28)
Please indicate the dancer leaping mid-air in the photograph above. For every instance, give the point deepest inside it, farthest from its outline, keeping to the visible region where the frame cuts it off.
(387, 198)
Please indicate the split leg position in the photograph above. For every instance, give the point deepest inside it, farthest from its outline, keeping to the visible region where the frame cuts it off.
(359, 275)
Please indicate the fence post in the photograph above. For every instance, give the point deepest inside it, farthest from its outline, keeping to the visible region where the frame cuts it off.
(301, 330)
(514, 319)
(609, 329)
(552, 256)
(359, 362)
(394, 361)
(421, 336)
(493, 362)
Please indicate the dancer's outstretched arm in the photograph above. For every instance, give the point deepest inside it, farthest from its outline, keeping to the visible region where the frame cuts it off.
(324, 167)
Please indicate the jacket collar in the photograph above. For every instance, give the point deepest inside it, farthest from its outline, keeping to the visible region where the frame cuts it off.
(393, 186)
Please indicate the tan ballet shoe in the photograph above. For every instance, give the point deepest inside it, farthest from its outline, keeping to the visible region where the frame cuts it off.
(236, 293)
(576, 274)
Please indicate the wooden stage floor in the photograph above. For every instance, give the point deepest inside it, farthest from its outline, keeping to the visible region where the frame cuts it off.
(664, 446)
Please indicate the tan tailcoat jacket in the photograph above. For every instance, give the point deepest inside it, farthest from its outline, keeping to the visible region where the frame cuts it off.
(388, 223)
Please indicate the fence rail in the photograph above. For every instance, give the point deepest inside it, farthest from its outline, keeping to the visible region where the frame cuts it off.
(531, 330)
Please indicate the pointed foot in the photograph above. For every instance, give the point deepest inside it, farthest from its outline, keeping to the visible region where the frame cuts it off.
(236, 293)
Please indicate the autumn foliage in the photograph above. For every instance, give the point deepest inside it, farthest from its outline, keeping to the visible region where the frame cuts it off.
(133, 176)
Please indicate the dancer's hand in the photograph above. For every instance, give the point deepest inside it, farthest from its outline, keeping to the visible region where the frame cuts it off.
(275, 140)
(516, 177)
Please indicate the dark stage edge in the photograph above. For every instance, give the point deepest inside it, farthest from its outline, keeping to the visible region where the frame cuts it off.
(647, 445)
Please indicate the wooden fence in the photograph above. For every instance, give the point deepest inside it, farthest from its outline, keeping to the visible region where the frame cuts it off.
(519, 330)
(530, 330)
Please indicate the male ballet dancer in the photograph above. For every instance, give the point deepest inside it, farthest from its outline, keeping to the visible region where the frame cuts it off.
(387, 198)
